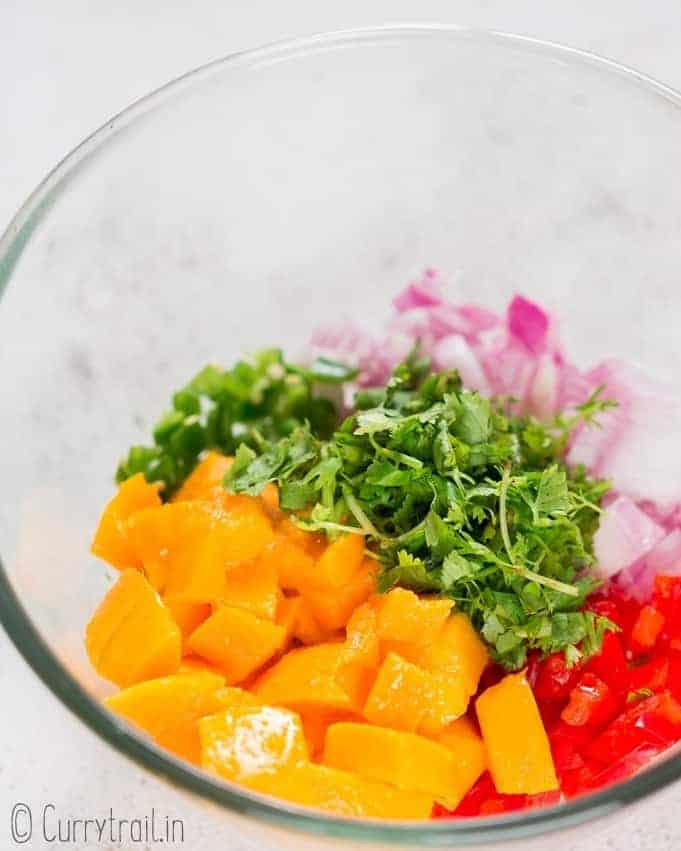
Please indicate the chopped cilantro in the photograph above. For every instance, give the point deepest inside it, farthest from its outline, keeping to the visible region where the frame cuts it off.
(456, 496)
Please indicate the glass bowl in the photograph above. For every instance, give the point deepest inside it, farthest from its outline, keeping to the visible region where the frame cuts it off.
(250, 199)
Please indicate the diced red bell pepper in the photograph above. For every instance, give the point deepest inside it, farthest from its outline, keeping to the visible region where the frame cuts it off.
(533, 667)
(607, 609)
(610, 665)
(652, 675)
(667, 597)
(543, 799)
(579, 780)
(674, 675)
(566, 745)
(482, 790)
(653, 721)
(646, 629)
(502, 804)
(555, 680)
(591, 703)
(627, 766)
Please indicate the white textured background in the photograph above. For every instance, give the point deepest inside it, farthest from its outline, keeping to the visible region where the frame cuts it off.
(65, 67)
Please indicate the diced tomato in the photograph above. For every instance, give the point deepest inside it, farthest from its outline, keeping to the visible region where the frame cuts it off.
(652, 675)
(653, 721)
(674, 675)
(610, 665)
(646, 630)
(566, 745)
(667, 597)
(502, 804)
(627, 766)
(591, 702)
(533, 667)
(555, 680)
(607, 609)
(579, 780)
(481, 791)
(543, 799)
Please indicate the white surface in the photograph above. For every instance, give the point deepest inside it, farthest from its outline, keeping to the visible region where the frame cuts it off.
(64, 70)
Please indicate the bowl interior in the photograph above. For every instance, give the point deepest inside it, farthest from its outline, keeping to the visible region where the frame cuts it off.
(283, 188)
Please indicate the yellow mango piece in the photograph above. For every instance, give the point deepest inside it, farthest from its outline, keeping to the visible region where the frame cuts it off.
(313, 543)
(186, 547)
(404, 760)
(406, 697)
(253, 586)
(237, 642)
(406, 622)
(463, 740)
(447, 700)
(246, 741)
(288, 611)
(315, 724)
(196, 665)
(518, 751)
(132, 635)
(340, 562)
(399, 695)
(230, 696)
(362, 644)
(457, 651)
(168, 709)
(187, 616)
(342, 793)
(205, 480)
(293, 564)
(306, 678)
(332, 606)
(111, 541)
(307, 628)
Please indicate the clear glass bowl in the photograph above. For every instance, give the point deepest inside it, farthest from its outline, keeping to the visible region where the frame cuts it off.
(247, 201)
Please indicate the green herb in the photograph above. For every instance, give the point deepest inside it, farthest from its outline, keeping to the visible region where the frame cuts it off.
(249, 407)
(456, 496)
(638, 695)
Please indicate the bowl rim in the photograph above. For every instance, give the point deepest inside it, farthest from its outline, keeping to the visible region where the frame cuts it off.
(141, 750)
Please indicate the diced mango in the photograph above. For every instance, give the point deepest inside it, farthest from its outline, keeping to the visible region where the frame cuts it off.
(342, 793)
(290, 561)
(447, 700)
(237, 642)
(463, 740)
(168, 709)
(313, 543)
(246, 741)
(196, 665)
(306, 677)
(404, 760)
(406, 697)
(288, 611)
(406, 623)
(518, 751)
(230, 696)
(457, 651)
(362, 645)
(206, 479)
(315, 724)
(253, 586)
(187, 616)
(186, 546)
(307, 628)
(111, 541)
(332, 606)
(132, 635)
(339, 562)
(399, 695)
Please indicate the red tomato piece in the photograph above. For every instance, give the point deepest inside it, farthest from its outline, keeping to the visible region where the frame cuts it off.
(482, 790)
(607, 609)
(555, 680)
(646, 629)
(653, 721)
(652, 675)
(667, 596)
(610, 665)
(591, 702)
